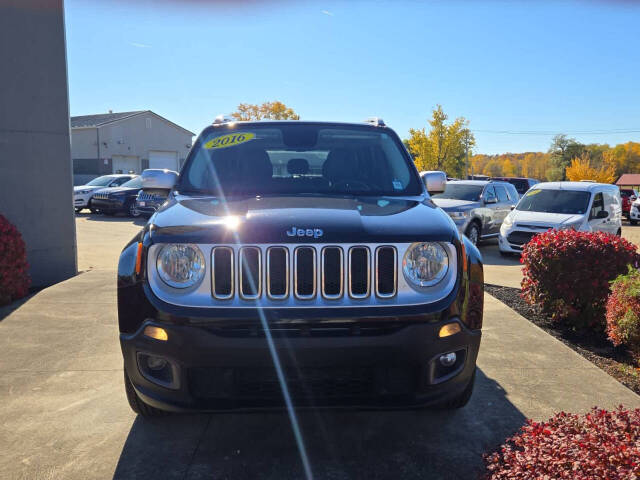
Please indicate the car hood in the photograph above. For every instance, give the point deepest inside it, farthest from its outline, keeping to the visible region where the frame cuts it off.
(296, 219)
(542, 218)
(86, 187)
(454, 204)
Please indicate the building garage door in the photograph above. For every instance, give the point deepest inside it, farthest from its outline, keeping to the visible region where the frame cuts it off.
(163, 160)
(125, 164)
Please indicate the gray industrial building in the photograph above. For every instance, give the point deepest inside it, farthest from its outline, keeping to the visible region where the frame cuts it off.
(125, 142)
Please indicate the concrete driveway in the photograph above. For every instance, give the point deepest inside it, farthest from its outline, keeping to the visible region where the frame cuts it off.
(63, 412)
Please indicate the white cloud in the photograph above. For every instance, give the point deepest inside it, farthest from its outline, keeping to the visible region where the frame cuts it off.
(139, 45)
(326, 12)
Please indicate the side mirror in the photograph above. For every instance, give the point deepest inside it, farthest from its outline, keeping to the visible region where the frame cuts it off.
(513, 207)
(489, 200)
(602, 214)
(434, 180)
(633, 198)
(160, 179)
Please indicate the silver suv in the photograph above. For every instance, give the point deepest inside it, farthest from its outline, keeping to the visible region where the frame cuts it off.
(477, 207)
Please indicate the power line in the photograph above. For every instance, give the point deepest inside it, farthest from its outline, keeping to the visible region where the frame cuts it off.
(567, 132)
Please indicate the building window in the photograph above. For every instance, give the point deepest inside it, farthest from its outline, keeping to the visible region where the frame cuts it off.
(148, 120)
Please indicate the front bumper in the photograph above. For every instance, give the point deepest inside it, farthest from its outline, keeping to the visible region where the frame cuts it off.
(220, 369)
(634, 213)
(147, 207)
(108, 205)
(81, 201)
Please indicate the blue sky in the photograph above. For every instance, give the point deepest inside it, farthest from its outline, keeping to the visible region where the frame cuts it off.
(506, 66)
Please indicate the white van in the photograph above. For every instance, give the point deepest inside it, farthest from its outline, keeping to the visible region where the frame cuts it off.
(584, 206)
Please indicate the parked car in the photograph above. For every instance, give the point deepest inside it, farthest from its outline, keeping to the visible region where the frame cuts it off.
(521, 184)
(477, 206)
(582, 206)
(634, 212)
(304, 258)
(156, 185)
(628, 196)
(120, 199)
(82, 194)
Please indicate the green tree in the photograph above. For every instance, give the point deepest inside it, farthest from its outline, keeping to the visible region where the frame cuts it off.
(444, 146)
(267, 111)
(562, 151)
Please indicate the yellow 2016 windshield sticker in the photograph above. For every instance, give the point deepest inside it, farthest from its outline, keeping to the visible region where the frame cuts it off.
(230, 140)
(532, 192)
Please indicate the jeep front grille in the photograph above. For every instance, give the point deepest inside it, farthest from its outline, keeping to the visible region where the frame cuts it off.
(223, 273)
(359, 272)
(305, 272)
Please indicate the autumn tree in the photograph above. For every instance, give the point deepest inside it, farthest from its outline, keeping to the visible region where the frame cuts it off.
(508, 169)
(444, 146)
(581, 169)
(562, 151)
(267, 111)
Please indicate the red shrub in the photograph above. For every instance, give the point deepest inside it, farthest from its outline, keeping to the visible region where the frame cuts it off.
(623, 311)
(14, 279)
(598, 445)
(567, 274)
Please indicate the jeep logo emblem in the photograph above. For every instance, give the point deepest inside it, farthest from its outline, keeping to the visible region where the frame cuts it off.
(305, 232)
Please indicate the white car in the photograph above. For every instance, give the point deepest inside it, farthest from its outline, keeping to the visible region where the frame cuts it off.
(634, 212)
(82, 193)
(584, 206)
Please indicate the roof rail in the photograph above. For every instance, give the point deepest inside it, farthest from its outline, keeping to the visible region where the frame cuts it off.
(222, 118)
(377, 121)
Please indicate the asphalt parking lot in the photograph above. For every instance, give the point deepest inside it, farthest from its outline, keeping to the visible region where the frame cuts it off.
(64, 414)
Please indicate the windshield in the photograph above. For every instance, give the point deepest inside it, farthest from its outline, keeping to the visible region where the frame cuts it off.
(298, 159)
(521, 185)
(459, 191)
(133, 183)
(100, 181)
(555, 201)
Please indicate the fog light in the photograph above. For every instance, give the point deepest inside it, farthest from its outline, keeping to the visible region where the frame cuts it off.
(448, 359)
(449, 329)
(156, 332)
(157, 363)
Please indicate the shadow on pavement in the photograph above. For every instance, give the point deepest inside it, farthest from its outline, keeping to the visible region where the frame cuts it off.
(341, 444)
(119, 217)
(6, 310)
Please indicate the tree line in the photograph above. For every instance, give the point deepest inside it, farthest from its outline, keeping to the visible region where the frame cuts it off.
(446, 146)
(566, 159)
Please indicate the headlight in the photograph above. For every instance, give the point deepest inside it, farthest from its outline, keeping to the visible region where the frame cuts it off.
(458, 215)
(83, 192)
(569, 226)
(180, 265)
(507, 222)
(425, 264)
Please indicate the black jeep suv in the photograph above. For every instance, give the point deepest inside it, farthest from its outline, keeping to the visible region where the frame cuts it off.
(299, 263)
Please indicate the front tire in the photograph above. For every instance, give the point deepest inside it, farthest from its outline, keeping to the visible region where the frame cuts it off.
(132, 210)
(137, 405)
(473, 233)
(633, 222)
(78, 210)
(91, 209)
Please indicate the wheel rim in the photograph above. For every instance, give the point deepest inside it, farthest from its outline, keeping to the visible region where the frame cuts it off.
(473, 234)
(132, 210)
